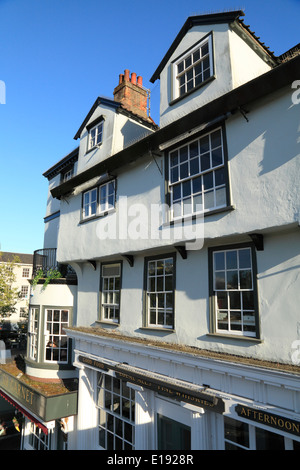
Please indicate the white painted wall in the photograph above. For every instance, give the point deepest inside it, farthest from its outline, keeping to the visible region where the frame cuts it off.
(263, 159)
(263, 169)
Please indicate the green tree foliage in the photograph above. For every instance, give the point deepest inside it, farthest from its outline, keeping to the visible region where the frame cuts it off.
(9, 295)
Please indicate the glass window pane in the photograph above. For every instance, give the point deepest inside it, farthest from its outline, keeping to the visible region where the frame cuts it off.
(232, 280)
(236, 431)
(245, 279)
(217, 157)
(174, 174)
(209, 199)
(222, 319)
(194, 150)
(194, 166)
(205, 161)
(216, 139)
(220, 197)
(204, 144)
(183, 154)
(235, 300)
(220, 280)
(174, 158)
(266, 440)
(208, 180)
(222, 302)
(184, 171)
(231, 260)
(248, 302)
(244, 258)
(197, 185)
(219, 260)
(186, 189)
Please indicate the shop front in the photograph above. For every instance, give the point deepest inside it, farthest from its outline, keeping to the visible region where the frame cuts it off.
(44, 410)
(141, 404)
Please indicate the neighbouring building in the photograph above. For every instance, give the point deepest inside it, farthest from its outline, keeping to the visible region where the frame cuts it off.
(174, 324)
(23, 273)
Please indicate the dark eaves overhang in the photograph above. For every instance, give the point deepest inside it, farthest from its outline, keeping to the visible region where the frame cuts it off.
(277, 78)
(63, 163)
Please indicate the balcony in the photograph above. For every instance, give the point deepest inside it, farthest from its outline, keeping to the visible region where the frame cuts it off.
(45, 260)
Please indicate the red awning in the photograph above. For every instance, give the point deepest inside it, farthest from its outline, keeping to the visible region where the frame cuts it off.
(24, 412)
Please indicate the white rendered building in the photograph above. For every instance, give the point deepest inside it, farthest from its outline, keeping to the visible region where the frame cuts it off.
(184, 320)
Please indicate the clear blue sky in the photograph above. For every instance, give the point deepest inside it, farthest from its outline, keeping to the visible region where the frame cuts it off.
(57, 56)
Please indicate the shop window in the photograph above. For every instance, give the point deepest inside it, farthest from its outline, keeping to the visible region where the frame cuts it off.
(38, 440)
(236, 434)
(172, 435)
(242, 436)
(116, 413)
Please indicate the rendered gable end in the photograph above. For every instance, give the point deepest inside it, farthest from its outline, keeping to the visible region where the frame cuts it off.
(235, 58)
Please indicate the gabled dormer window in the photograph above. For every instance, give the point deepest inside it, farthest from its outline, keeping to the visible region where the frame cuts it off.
(192, 68)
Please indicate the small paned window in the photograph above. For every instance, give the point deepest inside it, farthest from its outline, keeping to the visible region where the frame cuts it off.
(26, 272)
(116, 413)
(38, 440)
(234, 293)
(24, 292)
(160, 292)
(197, 176)
(242, 436)
(68, 174)
(193, 68)
(110, 295)
(107, 196)
(56, 341)
(90, 203)
(95, 135)
(33, 332)
(99, 201)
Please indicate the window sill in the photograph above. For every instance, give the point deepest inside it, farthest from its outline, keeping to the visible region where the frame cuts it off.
(188, 93)
(160, 329)
(235, 337)
(110, 323)
(97, 216)
(199, 216)
(96, 147)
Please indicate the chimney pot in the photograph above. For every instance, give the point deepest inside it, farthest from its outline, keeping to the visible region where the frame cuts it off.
(121, 78)
(133, 78)
(126, 75)
(140, 81)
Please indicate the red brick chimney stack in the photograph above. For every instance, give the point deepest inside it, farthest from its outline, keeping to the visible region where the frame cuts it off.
(131, 94)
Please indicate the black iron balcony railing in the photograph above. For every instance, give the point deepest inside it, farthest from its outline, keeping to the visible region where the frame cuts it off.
(45, 260)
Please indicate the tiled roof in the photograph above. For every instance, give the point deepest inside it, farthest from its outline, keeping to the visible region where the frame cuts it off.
(8, 256)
